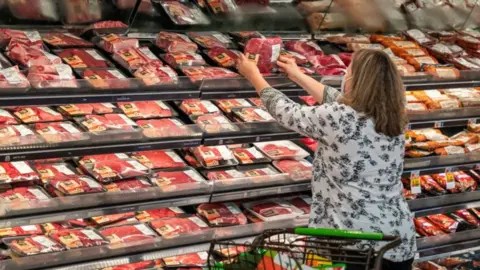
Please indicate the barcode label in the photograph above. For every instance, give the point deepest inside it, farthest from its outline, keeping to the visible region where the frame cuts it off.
(63, 169)
(144, 229)
(49, 111)
(70, 128)
(22, 167)
(91, 235)
(95, 55)
(116, 73)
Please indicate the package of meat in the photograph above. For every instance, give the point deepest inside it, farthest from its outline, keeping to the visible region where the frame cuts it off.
(467, 183)
(23, 194)
(445, 36)
(445, 51)
(209, 40)
(272, 209)
(213, 123)
(50, 171)
(7, 118)
(327, 61)
(395, 59)
(299, 59)
(282, 150)
(450, 150)
(160, 213)
(420, 37)
(406, 69)
(75, 185)
(112, 43)
(192, 259)
(226, 105)
(84, 58)
(133, 58)
(143, 265)
(90, 160)
(184, 13)
(79, 238)
(298, 170)
(222, 7)
(444, 222)
(198, 107)
(264, 51)
(214, 156)
(26, 57)
(426, 228)
(244, 36)
(175, 42)
(112, 170)
(99, 123)
(429, 265)
(389, 43)
(180, 59)
(222, 214)
(441, 71)
(155, 73)
(33, 245)
(64, 40)
(73, 110)
(451, 261)
(21, 231)
(430, 134)
(54, 76)
(160, 128)
(196, 74)
(79, 12)
(80, 223)
(107, 78)
(37, 114)
(146, 109)
(405, 52)
(463, 64)
(419, 61)
(252, 114)
(256, 102)
(102, 26)
(51, 227)
(468, 42)
(128, 234)
(60, 132)
(249, 156)
(364, 46)
(304, 47)
(416, 107)
(302, 202)
(468, 217)
(175, 226)
(429, 185)
(176, 179)
(223, 175)
(159, 159)
(224, 57)
(441, 179)
(127, 185)
(17, 171)
(17, 135)
(347, 38)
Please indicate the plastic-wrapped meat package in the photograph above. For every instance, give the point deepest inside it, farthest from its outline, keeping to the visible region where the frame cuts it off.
(89, 160)
(252, 114)
(466, 182)
(160, 128)
(176, 226)
(331, 71)
(310, 144)
(82, 11)
(113, 121)
(23, 194)
(272, 209)
(167, 179)
(198, 107)
(264, 51)
(429, 185)
(244, 36)
(17, 171)
(25, 230)
(390, 43)
(155, 73)
(34, 245)
(299, 59)
(427, 134)
(133, 58)
(420, 37)
(296, 169)
(222, 214)
(226, 105)
(249, 156)
(450, 150)
(302, 202)
(222, 6)
(81, 223)
(346, 38)
(50, 171)
(13, 78)
(106, 78)
(73, 110)
(408, 195)
(83, 58)
(327, 61)
(175, 42)
(128, 233)
(17, 135)
(209, 40)
(257, 102)
(145, 109)
(468, 42)
(212, 123)
(222, 175)
(179, 59)
(395, 59)
(145, 7)
(39, 10)
(79, 238)
(106, 25)
(154, 214)
(192, 259)
(463, 64)
(26, 56)
(223, 57)
(468, 217)
(64, 40)
(143, 265)
(405, 52)
(426, 228)
(50, 76)
(123, 185)
(445, 51)
(159, 159)
(111, 170)
(364, 46)
(441, 179)
(304, 47)
(282, 150)
(444, 222)
(74, 185)
(442, 72)
(208, 73)
(417, 153)
(406, 69)
(184, 14)
(214, 156)
(112, 43)
(463, 138)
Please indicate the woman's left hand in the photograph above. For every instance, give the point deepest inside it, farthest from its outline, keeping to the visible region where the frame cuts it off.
(246, 67)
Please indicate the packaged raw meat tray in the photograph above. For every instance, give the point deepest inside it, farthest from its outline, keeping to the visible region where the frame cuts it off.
(130, 184)
(302, 202)
(249, 156)
(51, 76)
(297, 169)
(21, 231)
(222, 7)
(109, 219)
(84, 58)
(175, 42)
(244, 36)
(223, 57)
(133, 58)
(50, 171)
(128, 234)
(17, 135)
(73, 185)
(214, 156)
(31, 56)
(212, 123)
(146, 109)
(112, 42)
(90, 160)
(150, 215)
(224, 175)
(183, 13)
(304, 47)
(176, 179)
(176, 226)
(222, 214)
(260, 173)
(159, 159)
(160, 128)
(210, 40)
(64, 40)
(23, 194)
(30, 115)
(17, 171)
(264, 51)
(198, 107)
(108, 78)
(99, 123)
(181, 59)
(60, 132)
(112, 170)
(73, 110)
(187, 260)
(79, 238)
(226, 105)
(155, 73)
(252, 114)
(7, 118)
(272, 209)
(33, 245)
(208, 73)
(282, 150)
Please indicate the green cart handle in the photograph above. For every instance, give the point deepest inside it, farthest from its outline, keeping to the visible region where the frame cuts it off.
(342, 234)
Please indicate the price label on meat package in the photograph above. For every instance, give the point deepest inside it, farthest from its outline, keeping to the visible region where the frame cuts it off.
(415, 185)
(450, 178)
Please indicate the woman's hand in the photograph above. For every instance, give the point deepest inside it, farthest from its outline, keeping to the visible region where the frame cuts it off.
(289, 66)
(246, 67)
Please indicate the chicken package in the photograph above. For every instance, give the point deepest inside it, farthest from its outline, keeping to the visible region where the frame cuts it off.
(468, 217)
(83, 58)
(196, 74)
(112, 43)
(212, 123)
(108, 78)
(13, 78)
(79, 238)
(25, 230)
(198, 107)
(249, 155)
(429, 185)
(127, 185)
(17, 135)
(426, 228)
(111, 170)
(264, 51)
(222, 214)
(364, 46)
(60, 132)
(214, 156)
(159, 159)
(17, 171)
(33, 245)
(112, 121)
(109, 219)
(282, 150)
(172, 179)
(209, 40)
(81, 11)
(442, 72)
(327, 61)
(304, 47)
(50, 171)
(184, 14)
(179, 59)
(222, 175)
(226, 105)
(133, 58)
(146, 109)
(37, 114)
(463, 138)
(468, 42)
(175, 226)
(73, 110)
(160, 213)
(252, 114)
(64, 40)
(302, 202)
(128, 233)
(160, 128)
(297, 169)
(155, 73)
(272, 209)
(224, 57)
(175, 42)
(51, 76)
(192, 259)
(23, 194)
(26, 57)
(74, 185)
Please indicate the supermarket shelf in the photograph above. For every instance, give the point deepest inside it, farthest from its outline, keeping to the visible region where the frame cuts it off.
(447, 251)
(441, 84)
(438, 164)
(444, 204)
(439, 119)
(268, 191)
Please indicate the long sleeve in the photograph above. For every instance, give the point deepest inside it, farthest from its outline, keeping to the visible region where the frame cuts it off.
(330, 94)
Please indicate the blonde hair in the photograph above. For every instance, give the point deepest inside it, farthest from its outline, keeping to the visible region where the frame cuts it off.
(377, 91)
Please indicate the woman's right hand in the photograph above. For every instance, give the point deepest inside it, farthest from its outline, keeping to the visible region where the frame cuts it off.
(289, 66)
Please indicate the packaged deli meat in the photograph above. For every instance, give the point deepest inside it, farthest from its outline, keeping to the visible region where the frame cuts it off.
(212, 123)
(264, 51)
(133, 58)
(175, 42)
(252, 114)
(107, 78)
(30, 115)
(17, 171)
(282, 150)
(33, 245)
(304, 47)
(128, 233)
(175, 226)
(25, 230)
(222, 214)
(109, 219)
(179, 59)
(296, 169)
(17, 135)
(130, 184)
(441, 179)
(272, 209)
(214, 156)
(60, 132)
(159, 128)
(72, 110)
(426, 228)
(210, 40)
(74, 185)
(192, 259)
(50, 171)
(466, 182)
(83, 58)
(64, 40)
(160, 213)
(159, 159)
(208, 73)
(155, 73)
(178, 178)
(112, 121)
(302, 202)
(223, 57)
(184, 13)
(23, 194)
(112, 43)
(79, 238)
(249, 155)
(111, 170)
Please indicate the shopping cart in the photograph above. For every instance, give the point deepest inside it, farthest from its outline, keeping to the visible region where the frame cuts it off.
(301, 249)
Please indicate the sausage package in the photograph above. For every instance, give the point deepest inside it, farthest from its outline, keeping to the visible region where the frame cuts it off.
(426, 228)
(444, 222)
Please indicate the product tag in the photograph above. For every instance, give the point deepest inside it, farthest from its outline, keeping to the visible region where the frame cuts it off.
(275, 52)
(137, 165)
(193, 175)
(63, 169)
(116, 73)
(233, 208)
(121, 155)
(162, 105)
(12, 75)
(22, 167)
(450, 178)
(64, 71)
(70, 128)
(91, 235)
(95, 55)
(415, 184)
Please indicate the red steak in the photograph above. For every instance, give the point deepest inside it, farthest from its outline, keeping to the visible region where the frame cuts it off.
(264, 51)
(79, 238)
(303, 47)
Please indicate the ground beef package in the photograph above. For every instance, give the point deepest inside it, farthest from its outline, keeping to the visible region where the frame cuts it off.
(264, 51)
(222, 214)
(198, 107)
(226, 105)
(426, 228)
(159, 159)
(64, 40)
(302, 202)
(175, 42)
(223, 57)
(249, 156)
(282, 150)
(166, 179)
(111, 170)
(272, 209)
(192, 259)
(112, 121)
(59, 132)
(133, 58)
(23, 194)
(108, 78)
(83, 58)
(297, 169)
(37, 114)
(159, 128)
(34, 245)
(212, 123)
(74, 185)
(50, 171)
(175, 226)
(155, 73)
(25, 230)
(17, 134)
(128, 233)
(130, 184)
(252, 114)
(214, 156)
(146, 109)
(209, 40)
(112, 43)
(153, 214)
(79, 238)
(17, 171)
(304, 47)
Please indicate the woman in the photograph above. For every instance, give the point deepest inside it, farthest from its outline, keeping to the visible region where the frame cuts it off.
(357, 172)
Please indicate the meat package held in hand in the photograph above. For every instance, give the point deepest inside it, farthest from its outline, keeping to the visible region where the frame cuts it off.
(159, 159)
(128, 233)
(264, 51)
(184, 14)
(302, 202)
(50, 171)
(153, 214)
(17, 171)
(23, 194)
(113, 121)
(159, 128)
(252, 114)
(111, 170)
(175, 42)
(79, 238)
(27, 57)
(426, 228)
(145, 109)
(296, 169)
(249, 155)
(209, 40)
(50, 76)
(214, 156)
(304, 47)
(299, 59)
(282, 150)
(25, 230)
(272, 209)
(17, 135)
(58, 132)
(83, 58)
(198, 107)
(222, 214)
(176, 226)
(64, 40)
(112, 43)
(223, 57)
(130, 184)
(74, 185)
(133, 58)
(106, 78)
(155, 73)
(34, 245)
(13, 78)
(174, 178)
(179, 59)
(212, 123)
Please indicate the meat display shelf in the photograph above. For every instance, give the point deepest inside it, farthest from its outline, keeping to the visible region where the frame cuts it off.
(448, 118)
(440, 164)
(445, 203)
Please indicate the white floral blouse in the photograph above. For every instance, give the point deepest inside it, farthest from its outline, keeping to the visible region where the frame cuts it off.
(357, 172)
